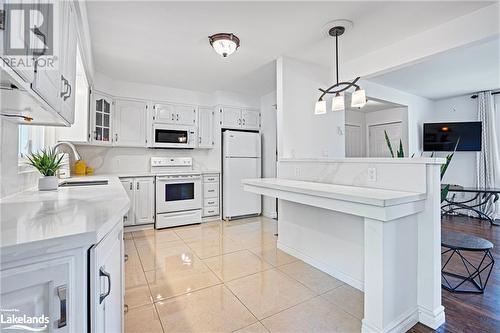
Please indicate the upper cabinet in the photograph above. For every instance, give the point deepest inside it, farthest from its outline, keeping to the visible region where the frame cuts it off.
(175, 114)
(206, 127)
(101, 119)
(130, 123)
(237, 118)
(56, 86)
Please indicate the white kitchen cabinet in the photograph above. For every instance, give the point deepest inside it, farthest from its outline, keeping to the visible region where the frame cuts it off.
(250, 119)
(237, 118)
(101, 121)
(68, 61)
(130, 123)
(141, 192)
(206, 130)
(43, 288)
(128, 185)
(106, 283)
(211, 186)
(144, 200)
(175, 114)
(230, 117)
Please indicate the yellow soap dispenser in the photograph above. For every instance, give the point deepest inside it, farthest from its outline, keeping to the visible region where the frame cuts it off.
(80, 168)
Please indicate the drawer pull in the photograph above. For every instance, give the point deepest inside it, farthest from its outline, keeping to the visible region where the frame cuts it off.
(210, 191)
(102, 272)
(211, 202)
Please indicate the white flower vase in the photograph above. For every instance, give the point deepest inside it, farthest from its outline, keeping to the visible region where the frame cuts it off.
(48, 183)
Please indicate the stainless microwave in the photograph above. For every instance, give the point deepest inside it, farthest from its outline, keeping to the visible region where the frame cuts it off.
(173, 136)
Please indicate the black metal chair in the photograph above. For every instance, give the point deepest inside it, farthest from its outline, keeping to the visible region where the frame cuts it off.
(476, 272)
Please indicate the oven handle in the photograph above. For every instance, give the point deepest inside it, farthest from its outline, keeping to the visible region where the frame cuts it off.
(159, 178)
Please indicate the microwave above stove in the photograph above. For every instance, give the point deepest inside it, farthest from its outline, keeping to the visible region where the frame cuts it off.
(173, 136)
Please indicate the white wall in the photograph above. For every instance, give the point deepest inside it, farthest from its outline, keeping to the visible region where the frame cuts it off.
(462, 169)
(301, 133)
(357, 118)
(269, 136)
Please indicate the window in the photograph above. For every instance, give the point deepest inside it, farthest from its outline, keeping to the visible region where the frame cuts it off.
(31, 139)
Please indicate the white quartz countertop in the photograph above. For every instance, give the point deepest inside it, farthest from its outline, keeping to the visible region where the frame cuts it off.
(80, 213)
(153, 174)
(364, 195)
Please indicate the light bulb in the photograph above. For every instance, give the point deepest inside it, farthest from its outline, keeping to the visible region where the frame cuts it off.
(358, 98)
(320, 107)
(338, 102)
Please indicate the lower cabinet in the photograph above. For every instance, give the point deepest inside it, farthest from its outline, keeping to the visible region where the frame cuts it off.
(106, 283)
(43, 290)
(211, 195)
(141, 191)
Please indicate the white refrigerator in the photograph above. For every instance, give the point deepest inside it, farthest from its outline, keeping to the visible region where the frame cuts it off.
(241, 160)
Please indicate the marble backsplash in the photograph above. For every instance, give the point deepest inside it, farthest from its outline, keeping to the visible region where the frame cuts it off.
(389, 174)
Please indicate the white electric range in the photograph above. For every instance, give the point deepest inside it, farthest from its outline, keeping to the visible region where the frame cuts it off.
(178, 191)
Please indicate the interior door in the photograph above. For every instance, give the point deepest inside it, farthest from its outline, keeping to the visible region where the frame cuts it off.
(377, 146)
(128, 185)
(44, 288)
(231, 117)
(130, 123)
(250, 119)
(353, 141)
(144, 200)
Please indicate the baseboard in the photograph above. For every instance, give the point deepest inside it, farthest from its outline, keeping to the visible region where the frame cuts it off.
(322, 266)
(131, 228)
(271, 215)
(432, 319)
(399, 325)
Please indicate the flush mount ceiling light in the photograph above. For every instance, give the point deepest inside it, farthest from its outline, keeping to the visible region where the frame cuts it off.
(224, 43)
(358, 98)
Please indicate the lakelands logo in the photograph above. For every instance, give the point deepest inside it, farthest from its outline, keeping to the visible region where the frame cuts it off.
(11, 319)
(29, 34)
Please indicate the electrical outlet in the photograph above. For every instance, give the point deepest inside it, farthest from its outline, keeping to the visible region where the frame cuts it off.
(297, 171)
(372, 174)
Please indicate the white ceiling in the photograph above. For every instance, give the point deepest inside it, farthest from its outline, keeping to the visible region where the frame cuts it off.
(458, 72)
(165, 43)
(373, 105)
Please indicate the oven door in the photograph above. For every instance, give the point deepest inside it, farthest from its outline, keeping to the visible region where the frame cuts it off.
(178, 193)
(173, 136)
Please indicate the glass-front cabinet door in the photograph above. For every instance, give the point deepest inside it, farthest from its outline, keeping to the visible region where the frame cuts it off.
(101, 113)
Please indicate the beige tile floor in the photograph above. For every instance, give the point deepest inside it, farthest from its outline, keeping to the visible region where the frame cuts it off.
(230, 277)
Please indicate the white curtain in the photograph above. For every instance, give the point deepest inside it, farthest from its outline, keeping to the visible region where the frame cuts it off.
(488, 160)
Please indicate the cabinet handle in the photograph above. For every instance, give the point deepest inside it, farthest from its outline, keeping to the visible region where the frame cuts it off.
(199, 139)
(131, 186)
(65, 82)
(125, 258)
(209, 191)
(177, 117)
(102, 272)
(137, 185)
(116, 137)
(38, 32)
(243, 121)
(173, 116)
(69, 92)
(63, 317)
(239, 121)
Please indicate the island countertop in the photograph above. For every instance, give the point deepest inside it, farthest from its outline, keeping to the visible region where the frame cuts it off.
(80, 214)
(363, 195)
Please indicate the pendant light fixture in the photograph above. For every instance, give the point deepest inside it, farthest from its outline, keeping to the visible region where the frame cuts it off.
(224, 43)
(358, 97)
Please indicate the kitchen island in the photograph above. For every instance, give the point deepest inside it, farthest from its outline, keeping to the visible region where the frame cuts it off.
(62, 255)
(379, 234)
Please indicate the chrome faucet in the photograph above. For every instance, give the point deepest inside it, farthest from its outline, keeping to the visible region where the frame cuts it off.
(69, 144)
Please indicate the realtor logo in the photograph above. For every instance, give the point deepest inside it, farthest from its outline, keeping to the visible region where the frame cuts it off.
(28, 29)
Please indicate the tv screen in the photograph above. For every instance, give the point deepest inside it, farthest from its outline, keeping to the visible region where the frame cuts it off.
(444, 136)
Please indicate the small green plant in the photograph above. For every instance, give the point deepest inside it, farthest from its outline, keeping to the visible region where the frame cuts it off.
(400, 153)
(45, 161)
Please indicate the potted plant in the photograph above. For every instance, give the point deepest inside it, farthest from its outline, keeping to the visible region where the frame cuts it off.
(47, 163)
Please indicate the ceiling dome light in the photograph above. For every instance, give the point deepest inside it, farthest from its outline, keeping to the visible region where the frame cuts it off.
(224, 43)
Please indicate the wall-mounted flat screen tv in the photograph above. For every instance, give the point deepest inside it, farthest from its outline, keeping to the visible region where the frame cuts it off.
(444, 136)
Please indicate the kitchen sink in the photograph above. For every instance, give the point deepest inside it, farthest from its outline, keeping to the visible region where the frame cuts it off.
(70, 183)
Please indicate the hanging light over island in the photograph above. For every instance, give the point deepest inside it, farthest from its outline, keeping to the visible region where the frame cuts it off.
(358, 97)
